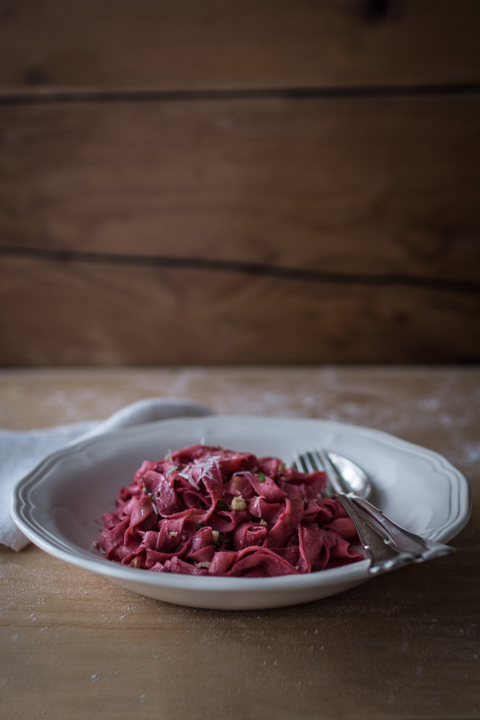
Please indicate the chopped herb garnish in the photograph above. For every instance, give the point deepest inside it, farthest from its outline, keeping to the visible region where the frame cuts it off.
(198, 527)
(172, 469)
(221, 505)
(261, 477)
(221, 539)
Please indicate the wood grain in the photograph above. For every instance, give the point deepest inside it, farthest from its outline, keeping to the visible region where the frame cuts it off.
(376, 186)
(156, 45)
(239, 182)
(63, 313)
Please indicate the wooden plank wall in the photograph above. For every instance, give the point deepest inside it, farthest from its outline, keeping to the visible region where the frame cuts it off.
(278, 181)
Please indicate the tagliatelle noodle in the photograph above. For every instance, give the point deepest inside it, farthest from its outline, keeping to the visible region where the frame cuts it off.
(204, 510)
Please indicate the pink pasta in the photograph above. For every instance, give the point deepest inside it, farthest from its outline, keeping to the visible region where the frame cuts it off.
(204, 510)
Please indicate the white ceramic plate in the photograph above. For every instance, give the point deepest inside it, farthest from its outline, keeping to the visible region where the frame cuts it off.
(58, 506)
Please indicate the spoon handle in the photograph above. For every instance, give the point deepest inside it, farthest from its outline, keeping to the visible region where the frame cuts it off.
(403, 539)
(383, 555)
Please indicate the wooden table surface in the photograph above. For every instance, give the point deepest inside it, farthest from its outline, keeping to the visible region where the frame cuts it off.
(404, 645)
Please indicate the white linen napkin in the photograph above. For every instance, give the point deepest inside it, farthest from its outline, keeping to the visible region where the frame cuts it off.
(20, 452)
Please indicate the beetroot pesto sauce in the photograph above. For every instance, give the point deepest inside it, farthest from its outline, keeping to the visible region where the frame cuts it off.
(204, 510)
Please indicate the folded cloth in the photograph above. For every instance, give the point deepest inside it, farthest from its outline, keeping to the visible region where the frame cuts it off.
(20, 452)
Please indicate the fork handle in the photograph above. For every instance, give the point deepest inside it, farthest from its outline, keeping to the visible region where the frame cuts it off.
(382, 553)
(403, 539)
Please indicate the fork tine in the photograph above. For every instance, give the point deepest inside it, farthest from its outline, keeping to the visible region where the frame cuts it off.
(310, 461)
(314, 461)
(306, 463)
(300, 462)
(295, 460)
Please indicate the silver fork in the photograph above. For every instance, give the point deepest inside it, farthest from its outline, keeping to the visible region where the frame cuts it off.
(387, 544)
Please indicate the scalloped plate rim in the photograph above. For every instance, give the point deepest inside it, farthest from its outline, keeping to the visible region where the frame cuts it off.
(233, 593)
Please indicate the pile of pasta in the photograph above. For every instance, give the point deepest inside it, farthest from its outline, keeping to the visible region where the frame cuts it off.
(204, 510)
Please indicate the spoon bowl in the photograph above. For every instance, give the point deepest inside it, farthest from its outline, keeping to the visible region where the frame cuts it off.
(356, 478)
